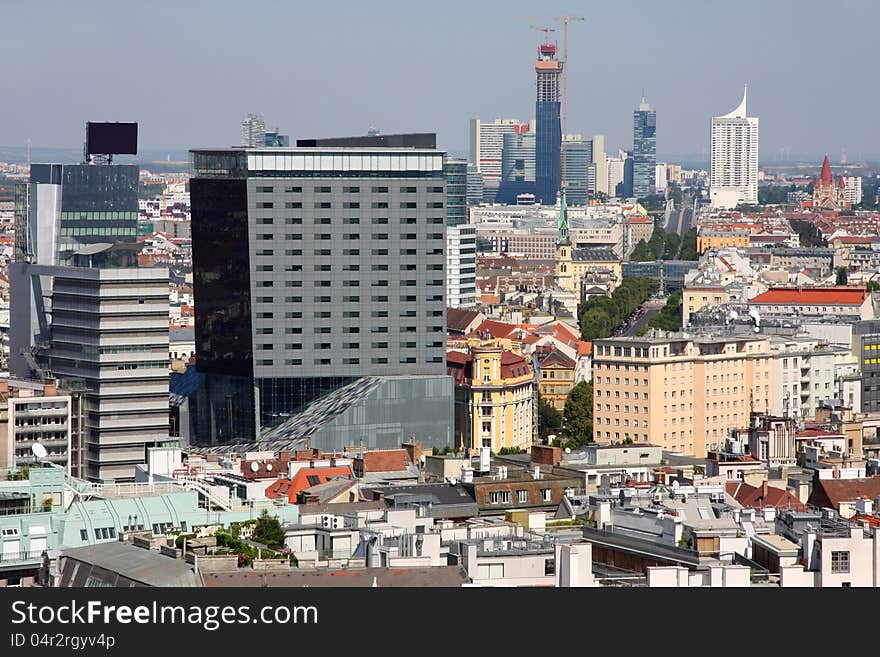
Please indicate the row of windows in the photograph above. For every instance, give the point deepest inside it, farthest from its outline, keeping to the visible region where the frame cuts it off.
(522, 496)
(347, 330)
(353, 283)
(349, 314)
(349, 252)
(327, 268)
(113, 215)
(346, 236)
(327, 221)
(143, 365)
(327, 189)
(78, 231)
(268, 346)
(326, 205)
(348, 361)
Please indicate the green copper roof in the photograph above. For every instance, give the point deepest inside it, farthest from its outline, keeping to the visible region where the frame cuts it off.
(562, 223)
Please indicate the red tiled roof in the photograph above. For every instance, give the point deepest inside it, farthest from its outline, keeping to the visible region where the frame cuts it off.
(755, 497)
(303, 479)
(557, 359)
(831, 492)
(382, 460)
(817, 433)
(495, 329)
(458, 319)
(835, 296)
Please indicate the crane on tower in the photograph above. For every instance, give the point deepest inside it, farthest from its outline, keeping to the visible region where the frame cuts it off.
(565, 20)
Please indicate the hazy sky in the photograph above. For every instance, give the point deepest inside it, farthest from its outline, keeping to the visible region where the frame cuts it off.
(189, 70)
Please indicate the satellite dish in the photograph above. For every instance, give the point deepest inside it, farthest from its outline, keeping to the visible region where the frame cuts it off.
(255, 467)
(269, 467)
(39, 451)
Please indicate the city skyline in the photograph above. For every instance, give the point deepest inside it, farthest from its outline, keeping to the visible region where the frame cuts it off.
(685, 91)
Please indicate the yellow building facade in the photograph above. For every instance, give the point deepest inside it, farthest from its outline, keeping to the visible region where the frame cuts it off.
(685, 394)
(494, 398)
(696, 298)
(556, 378)
(715, 240)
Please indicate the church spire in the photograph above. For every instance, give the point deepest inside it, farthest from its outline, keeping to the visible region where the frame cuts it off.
(826, 178)
(562, 223)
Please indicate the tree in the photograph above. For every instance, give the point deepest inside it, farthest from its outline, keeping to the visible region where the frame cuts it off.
(578, 414)
(671, 245)
(268, 530)
(601, 315)
(641, 253)
(872, 286)
(807, 233)
(840, 276)
(669, 318)
(689, 245)
(549, 419)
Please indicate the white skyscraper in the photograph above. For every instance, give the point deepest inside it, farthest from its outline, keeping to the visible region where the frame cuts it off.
(853, 189)
(253, 131)
(733, 176)
(486, 145)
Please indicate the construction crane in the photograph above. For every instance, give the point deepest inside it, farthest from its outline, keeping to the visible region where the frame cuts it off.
(565, 21)
(545, 30)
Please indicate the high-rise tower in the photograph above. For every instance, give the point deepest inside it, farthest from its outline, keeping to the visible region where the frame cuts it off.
(733, 176)
(644, 149)
(548, 138)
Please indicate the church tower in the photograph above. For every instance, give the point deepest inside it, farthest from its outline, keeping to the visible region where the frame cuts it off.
(565, 278)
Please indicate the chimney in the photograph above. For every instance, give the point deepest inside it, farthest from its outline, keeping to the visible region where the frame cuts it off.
(50, 387)
(764, 489)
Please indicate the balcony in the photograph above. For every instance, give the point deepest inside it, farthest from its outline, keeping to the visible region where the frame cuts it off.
(20, 558)
(21, 411)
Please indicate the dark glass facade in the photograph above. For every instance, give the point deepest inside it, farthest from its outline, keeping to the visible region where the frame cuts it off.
(455, 172)
(548, 142)
(578, 156)
(644, 150)
(627, 190)
(222, 289)
(98, 204)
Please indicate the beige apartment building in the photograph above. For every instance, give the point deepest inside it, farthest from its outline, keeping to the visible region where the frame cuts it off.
(701, 296)
(682, 393)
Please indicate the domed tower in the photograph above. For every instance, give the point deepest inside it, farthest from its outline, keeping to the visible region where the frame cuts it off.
(564, 274)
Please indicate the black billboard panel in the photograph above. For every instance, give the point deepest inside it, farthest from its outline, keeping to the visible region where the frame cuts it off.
(111, 138)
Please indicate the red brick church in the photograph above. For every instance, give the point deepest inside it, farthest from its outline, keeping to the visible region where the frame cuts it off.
(828, 195)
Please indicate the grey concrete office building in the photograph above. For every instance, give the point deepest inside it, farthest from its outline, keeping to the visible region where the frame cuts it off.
(313, 267)
(865, 343)
(84, 313)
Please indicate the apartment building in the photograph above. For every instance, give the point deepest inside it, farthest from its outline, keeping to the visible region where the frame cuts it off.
(494, 398)
(680, 392)
(557, 377)
(33, 412)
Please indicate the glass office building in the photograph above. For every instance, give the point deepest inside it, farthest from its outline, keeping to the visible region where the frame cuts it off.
(644, 150)
(548, 126)
(315, 267)
(517, 167)
(578, 154)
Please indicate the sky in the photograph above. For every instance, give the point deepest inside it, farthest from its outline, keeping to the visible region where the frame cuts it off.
(188, 71)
